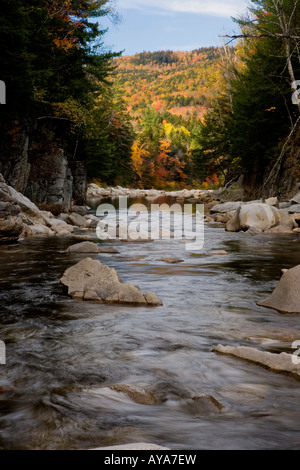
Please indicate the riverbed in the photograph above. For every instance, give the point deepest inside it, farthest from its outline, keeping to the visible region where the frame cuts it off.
(63, 354)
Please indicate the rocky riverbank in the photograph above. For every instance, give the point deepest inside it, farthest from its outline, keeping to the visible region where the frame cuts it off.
(20, 217)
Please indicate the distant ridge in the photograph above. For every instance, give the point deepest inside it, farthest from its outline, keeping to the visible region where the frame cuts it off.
(170, 81)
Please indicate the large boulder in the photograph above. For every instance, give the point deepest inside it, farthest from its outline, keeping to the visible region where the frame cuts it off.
(91, 280)
(257, 215)
(11, 224)
(286, 296)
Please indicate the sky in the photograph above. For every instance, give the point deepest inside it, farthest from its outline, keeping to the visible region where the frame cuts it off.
(179, 25)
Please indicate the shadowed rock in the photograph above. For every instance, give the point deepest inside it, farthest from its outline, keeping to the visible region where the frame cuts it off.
(91, 280)
(11, 224)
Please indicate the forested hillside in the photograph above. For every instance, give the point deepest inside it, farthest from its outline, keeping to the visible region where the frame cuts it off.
(167, 94)
(177, 82)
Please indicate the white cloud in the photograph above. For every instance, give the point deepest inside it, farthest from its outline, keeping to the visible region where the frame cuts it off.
(222, 8)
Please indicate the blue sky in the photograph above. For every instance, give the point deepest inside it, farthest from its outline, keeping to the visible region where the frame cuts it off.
(152, 25)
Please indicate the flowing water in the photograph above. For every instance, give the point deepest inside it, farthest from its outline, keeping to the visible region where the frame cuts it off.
(63, 354)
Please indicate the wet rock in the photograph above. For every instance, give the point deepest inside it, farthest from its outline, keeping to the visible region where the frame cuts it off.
(275, 362)
(171, 260)
(205, 405)
(91, 280)
(218, 252)
(286, 296)
(90, 247)
(256, 215)
(138, 393)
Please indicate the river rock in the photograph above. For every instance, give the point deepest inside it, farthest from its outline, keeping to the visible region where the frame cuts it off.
(276, 362)
(138, 393)
(271, 201)
(281, 229)
(294, 209)
(11, 224)
(226, 207)
(257, 215)
(30, 213)
(295, 199)
(286, 296)
(82, 210)
(223, 217)
(205, 405)
(76, 219)
(90, 247)
(91, 280)
(218, 252)
(171, 260)
(42, 230)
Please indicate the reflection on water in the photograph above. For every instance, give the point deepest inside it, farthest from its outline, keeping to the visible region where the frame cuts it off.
(62, 354)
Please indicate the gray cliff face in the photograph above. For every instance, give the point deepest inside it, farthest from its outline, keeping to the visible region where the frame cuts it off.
(35, 166)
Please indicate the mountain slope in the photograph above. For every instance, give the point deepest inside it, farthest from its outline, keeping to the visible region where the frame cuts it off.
(176, 82)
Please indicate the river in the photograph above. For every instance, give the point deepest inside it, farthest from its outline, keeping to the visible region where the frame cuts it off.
(62, 354)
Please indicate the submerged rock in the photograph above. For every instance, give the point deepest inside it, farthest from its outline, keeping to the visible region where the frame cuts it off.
(136, 392)
(91, 280)
(276, 362)
(171, 260)
(90, 247)
(286, 296)
(205, 405)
